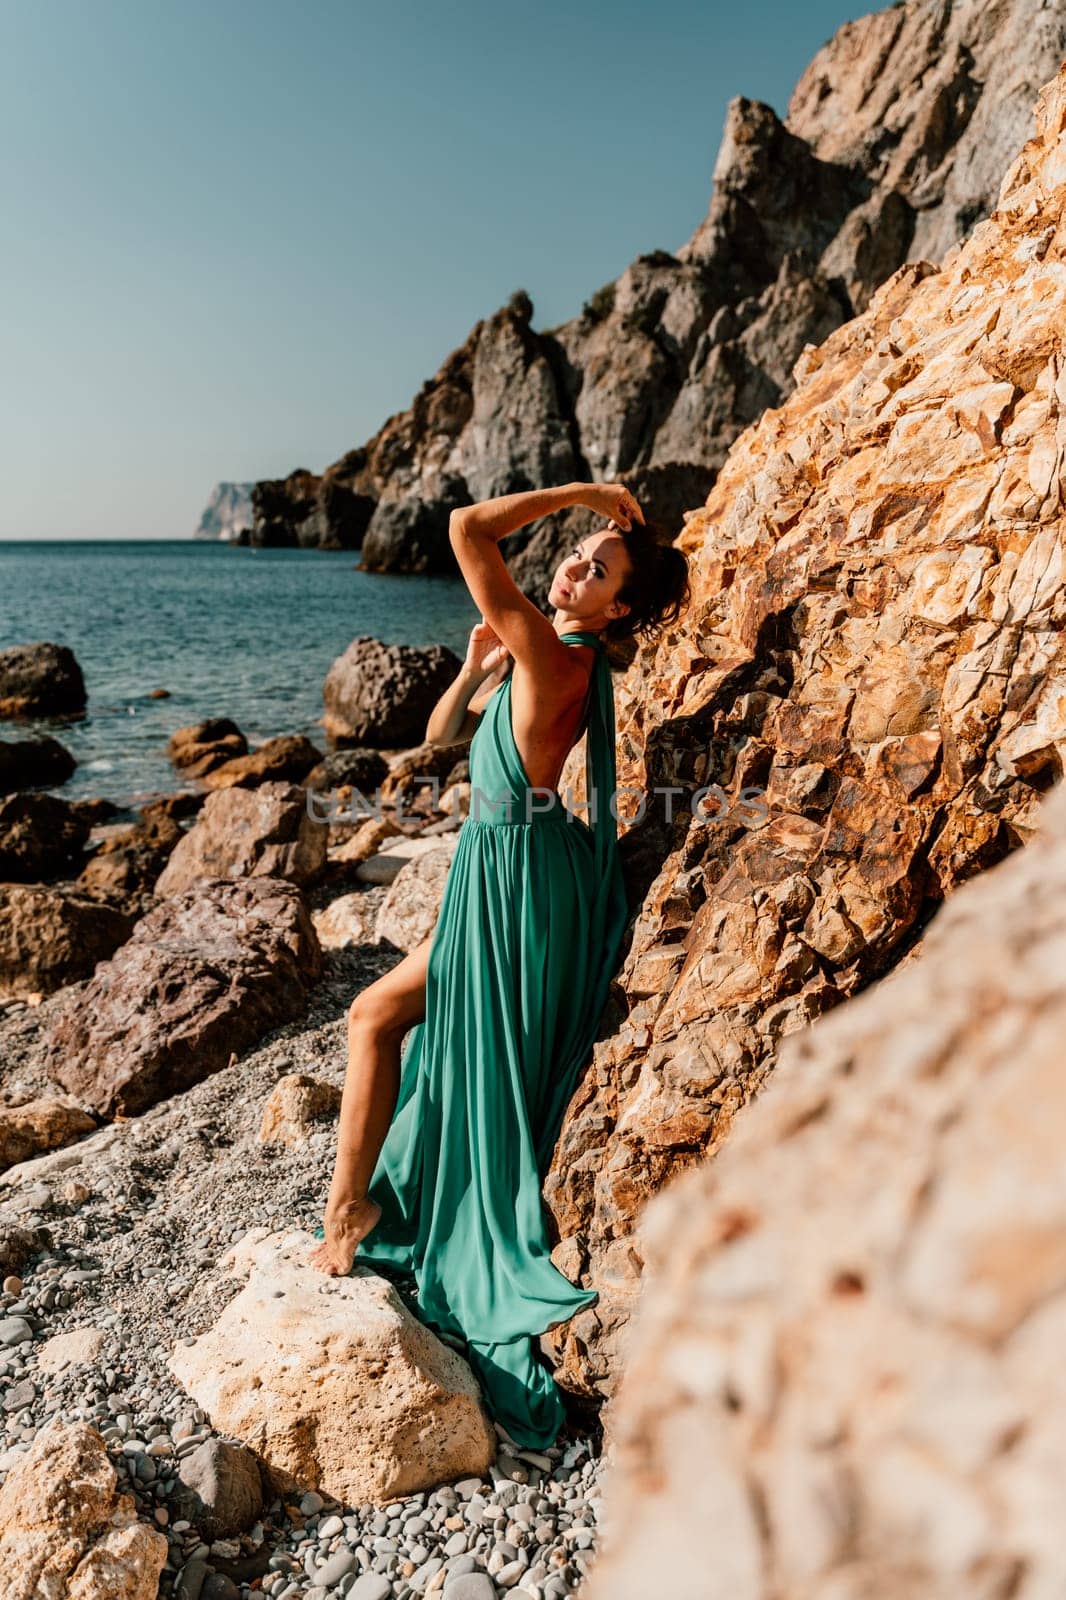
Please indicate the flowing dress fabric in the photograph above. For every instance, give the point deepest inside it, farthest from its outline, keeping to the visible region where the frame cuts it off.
(522, 954)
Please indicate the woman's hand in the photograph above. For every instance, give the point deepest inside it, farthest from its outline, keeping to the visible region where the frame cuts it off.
(612, 500)
(486, 652)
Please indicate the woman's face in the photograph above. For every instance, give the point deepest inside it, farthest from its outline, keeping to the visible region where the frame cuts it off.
(589, 577)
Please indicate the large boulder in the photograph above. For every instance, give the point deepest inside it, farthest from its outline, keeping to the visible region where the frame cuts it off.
(875, 645)
(384, 694)
(331, 1381)
(266, 831)
(33, 763)
(51, 935)
(40, 680)
(41, 836)
(202, 978)
(66, 1533)
(845, 1376)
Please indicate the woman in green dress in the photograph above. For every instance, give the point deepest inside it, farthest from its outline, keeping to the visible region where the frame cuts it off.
(463, 1058)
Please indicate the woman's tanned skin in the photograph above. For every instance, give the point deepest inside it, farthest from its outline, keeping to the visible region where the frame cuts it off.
(547, 702)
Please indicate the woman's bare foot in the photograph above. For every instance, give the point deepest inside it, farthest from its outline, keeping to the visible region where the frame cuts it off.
(343, 1225)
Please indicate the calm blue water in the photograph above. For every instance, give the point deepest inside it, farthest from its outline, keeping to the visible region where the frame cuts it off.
(231, 632)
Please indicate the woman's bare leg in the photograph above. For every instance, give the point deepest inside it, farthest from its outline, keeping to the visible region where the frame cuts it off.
(378, 1018)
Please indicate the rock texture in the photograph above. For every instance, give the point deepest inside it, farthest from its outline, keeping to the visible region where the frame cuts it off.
(51, 936)
(296, 1107)
(228, 513)
(332, 1382)
(383, 695)
(875, 640)
(33, 1126)
(65, 1534)
(41, 836)
(289, 758)
(243, 833)
(893, 146)
(845, 1378)
(203, 746)
(203, 976)
(40, 680)
(33, 763)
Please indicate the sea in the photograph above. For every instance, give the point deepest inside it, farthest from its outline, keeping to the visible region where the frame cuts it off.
(228, 630)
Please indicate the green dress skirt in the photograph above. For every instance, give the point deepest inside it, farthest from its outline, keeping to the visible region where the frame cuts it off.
(522, 954)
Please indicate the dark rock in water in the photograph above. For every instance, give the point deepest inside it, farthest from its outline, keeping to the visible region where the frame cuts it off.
(41, 836)
(96, 810)
(202, 977)
(219, 1489)
(244, 833)
(287, 758)
(200, 748)
(52, 935)
(172, 805)
(128, 864)
(29, 763)
(360, 768)
(384, 694)
(40, 680)
(407, 783)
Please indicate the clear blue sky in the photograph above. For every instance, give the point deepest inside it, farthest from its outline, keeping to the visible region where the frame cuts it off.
(239, 234)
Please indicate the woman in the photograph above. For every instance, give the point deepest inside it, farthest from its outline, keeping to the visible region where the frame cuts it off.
(443, 1144)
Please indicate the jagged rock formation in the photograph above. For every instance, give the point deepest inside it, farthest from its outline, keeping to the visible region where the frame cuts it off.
(845, 1378)
(876, 641)
(895, 139)
(65, 1530)
(228, 513)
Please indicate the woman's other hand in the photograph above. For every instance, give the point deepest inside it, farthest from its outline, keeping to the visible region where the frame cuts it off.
(614, 501)
(486, 652)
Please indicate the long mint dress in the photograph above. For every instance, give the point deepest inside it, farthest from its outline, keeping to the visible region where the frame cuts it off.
(524, 947)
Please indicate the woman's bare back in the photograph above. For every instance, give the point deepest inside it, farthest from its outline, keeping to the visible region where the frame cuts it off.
(546, 726)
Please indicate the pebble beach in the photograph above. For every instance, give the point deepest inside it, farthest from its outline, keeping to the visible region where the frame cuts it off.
(139, 1214)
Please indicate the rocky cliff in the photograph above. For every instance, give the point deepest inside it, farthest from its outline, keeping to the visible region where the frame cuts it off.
(845, 1378)
(875, 643)
(893, 146)
(228, 513)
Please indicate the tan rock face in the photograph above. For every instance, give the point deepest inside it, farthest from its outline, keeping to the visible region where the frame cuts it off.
(64, 1532)
(409, 911)
(28, 1129)
(78, 1346)
(332, 1382)
(845, 1378)
(297, 1103)
(875, 642)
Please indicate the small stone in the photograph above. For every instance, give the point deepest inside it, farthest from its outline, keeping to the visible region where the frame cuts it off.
(335, 1567)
